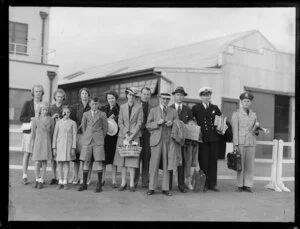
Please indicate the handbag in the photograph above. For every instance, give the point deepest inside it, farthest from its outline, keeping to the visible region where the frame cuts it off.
(234, 161)
(198, 180)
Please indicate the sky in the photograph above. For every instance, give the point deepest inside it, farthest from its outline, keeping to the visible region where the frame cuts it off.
(87, 37)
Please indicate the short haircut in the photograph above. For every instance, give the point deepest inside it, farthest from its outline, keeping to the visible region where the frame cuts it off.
(110, 92)
(145, 88)
(59, 91)
(84, 89)
(95, 99)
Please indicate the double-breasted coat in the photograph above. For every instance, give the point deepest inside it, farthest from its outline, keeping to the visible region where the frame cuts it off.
(131, 125)
(41, 133)
(208, 150)
(64, 139)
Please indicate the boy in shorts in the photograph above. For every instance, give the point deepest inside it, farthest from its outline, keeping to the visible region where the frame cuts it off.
(94, 128)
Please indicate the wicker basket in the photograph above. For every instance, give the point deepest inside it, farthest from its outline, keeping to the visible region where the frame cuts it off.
(129, 151)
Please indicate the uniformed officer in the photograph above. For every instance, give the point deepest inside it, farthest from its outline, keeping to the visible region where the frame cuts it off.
(244, 131)
(205, 113)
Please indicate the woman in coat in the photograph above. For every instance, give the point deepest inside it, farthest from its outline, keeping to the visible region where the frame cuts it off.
(77, 111)
(130, 122)
(112, 112)
(28, 112)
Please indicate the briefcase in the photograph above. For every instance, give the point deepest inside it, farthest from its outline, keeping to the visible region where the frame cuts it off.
(198, 181)
(234, 161)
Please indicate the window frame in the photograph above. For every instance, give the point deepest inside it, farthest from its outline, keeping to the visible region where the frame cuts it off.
(13, 37)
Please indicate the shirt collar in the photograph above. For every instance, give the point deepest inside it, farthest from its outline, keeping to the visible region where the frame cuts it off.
(162, 107)
(177, 104)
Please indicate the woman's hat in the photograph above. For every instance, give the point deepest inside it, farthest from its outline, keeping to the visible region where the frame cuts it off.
(246, 95)
(205, 90)
(133, 91)
(179, 90)
(112, 127)
(165, 96)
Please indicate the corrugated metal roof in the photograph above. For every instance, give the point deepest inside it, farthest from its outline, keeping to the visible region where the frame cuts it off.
(198, 55)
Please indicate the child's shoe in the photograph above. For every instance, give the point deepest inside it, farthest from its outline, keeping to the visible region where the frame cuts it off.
(40, 185)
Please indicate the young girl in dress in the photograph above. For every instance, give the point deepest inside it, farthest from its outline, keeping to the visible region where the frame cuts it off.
(64, 144)
(42, 131)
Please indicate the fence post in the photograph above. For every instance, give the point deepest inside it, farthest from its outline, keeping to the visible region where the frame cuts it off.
(279, 167)
(273, 183)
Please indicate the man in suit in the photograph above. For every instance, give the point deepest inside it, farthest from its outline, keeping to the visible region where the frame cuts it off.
(159, 123)
(144, 140)
(185, 114)
(205, 113)
(94, 127)
(244, 131)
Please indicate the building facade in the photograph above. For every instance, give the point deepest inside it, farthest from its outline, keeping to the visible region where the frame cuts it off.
(29, 57)
(230, 65)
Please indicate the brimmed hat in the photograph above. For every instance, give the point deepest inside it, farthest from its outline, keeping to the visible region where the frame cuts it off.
(133, 91)
(112, 127)
(179, 90)
(165, 96)
(205, 90)
(246, 95)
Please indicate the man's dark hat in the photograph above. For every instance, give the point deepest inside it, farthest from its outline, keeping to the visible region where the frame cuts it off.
(179, 90)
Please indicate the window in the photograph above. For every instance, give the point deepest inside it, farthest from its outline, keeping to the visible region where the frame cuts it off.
(18, 37)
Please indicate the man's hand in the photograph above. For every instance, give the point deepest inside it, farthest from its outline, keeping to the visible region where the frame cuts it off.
(169, 123)
(161, 121)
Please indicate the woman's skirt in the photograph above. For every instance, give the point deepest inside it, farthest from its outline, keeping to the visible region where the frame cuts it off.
(27, 143)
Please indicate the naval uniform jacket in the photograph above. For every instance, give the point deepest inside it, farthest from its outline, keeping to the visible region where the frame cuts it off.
(205, 119)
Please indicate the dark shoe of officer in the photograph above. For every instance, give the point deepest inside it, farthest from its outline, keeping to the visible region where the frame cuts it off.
(167, 193)
(131, 189)
(239, 189)
(150, 192)
(82, 187)
(25, 181)
(247, 189)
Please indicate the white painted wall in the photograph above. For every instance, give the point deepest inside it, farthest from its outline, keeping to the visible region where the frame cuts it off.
(31, 16)
(269, 70)
(25, 75)
(193, 81)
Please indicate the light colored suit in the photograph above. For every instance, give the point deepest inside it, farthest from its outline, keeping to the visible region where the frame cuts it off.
(244, 138)
(132, 125)
(159, 141)
(94, 127)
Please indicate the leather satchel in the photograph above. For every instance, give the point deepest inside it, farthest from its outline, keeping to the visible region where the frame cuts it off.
(198, 180)
(234, 161)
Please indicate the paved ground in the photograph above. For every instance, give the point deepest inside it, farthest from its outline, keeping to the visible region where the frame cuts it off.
(51, 204)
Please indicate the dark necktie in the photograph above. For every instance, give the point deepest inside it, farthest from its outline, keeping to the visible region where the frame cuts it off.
(247, 111)
(145, 110)
(165, 111)
(179, 110)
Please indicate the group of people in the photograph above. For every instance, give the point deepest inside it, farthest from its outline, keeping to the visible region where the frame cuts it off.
(79, 133)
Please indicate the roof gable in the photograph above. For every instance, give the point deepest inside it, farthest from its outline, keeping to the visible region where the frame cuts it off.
(198, 55)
